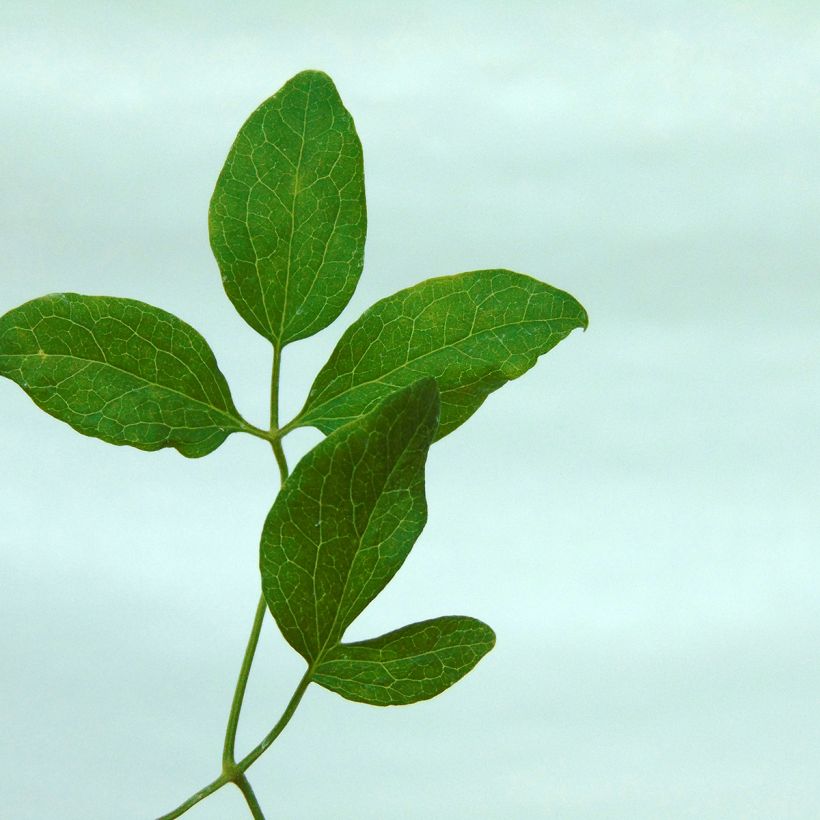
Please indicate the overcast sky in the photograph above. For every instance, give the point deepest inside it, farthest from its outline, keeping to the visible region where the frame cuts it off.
(637, 517)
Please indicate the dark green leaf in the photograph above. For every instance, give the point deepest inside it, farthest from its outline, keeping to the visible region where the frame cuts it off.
(472, 332)
(413, 663)
(346, 519)
(120, 370)
(287, 218)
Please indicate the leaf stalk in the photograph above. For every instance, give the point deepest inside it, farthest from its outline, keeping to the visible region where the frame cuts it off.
(228, 758)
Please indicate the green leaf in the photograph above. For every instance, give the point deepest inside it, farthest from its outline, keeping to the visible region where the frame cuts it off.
(120, 370)
(346, 519)
(287, 218)
(413, 663)
(473, 332)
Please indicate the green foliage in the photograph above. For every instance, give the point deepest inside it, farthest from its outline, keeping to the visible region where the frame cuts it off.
(346, 519)
(287, 218)
(287, 226)
(472, 332)
(120, 370)
(416, 662)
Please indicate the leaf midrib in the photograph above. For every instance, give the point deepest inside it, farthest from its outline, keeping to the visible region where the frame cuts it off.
(393, 660)
(324, 649)
(148, 382)
(297, 171)
(311, 413)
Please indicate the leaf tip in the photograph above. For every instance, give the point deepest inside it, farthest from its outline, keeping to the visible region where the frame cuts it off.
(311, 76)
(428, 389)
(584, 318)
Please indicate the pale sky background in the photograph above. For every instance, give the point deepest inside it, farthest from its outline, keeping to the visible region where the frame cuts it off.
(638, 517)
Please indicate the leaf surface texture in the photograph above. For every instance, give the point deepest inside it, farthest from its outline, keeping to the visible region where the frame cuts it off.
(413, 663)
(346, 519)
(287, 218)
(120, 370)
(472, 332)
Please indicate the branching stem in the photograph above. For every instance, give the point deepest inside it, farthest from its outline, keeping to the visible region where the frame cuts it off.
(233, 772)
(238, 770)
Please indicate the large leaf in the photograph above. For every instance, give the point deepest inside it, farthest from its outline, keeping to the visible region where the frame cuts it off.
(413, 663)
(287, 218)
(472, 332)
(346, 519)
(120, 370)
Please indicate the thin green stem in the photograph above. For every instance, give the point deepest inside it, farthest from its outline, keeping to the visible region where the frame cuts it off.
(241, 684)
(233, 772)
(265, 435)
(283, 721)
(250, 798)
(274, 388)
(281, 461)
(228, 749)
(276, 440)
(291, 425)
(239, 769)
(195, 798)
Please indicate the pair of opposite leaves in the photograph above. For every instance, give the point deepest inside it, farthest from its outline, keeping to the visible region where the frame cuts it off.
(287, 224)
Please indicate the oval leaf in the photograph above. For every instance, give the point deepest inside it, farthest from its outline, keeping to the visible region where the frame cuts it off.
(119, 370)
(287, 219)
(346, 519)
(416, 662)
(472, 332)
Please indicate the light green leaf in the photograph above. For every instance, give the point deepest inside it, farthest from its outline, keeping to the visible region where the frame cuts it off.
(413, 663)
(120, 370)
(346, 519)
(472, 332)
(287, 218)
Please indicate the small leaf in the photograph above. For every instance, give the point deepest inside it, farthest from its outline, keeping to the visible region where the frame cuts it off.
(346, 519)
(287, 218)
(473, 332)
(413, 663)
(120, 370)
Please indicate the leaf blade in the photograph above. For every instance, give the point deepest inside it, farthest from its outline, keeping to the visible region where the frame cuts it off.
(416, 662)
(346, 519)
(472, 332)
(119, 370)
(287, 219)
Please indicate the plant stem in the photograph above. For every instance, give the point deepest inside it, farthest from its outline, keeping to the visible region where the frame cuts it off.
(253, 804)
(274, 388)
(195, 798)
(241, 684)
(229, 768)
(276, 443)
(233, 772)
(237, 771)
(257, 752)
(265, 435)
